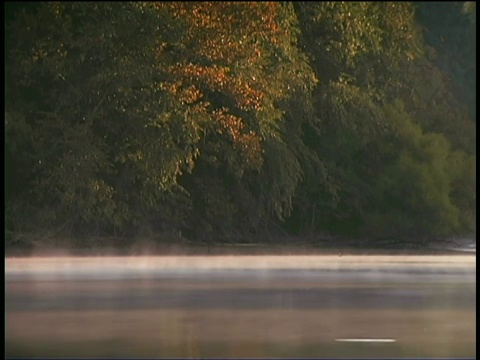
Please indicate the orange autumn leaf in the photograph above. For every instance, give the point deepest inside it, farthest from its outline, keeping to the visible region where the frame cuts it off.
(225, 46)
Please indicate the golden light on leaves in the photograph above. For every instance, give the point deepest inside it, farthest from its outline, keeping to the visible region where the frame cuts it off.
(225, 49)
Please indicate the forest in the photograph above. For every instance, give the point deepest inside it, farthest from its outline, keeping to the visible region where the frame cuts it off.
(235, 121)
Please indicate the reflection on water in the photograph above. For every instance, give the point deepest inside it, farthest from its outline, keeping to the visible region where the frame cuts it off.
(239, 333)
(261, 313)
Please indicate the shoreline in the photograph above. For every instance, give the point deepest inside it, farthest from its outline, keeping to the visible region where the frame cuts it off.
(234, 250)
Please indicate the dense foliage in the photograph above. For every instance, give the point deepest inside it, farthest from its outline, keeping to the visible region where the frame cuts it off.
(227, 120)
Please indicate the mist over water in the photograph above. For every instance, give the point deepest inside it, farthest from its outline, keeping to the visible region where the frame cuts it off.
(251, 306)
(152, 266)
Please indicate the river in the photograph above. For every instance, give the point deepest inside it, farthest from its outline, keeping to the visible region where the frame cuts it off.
(241, 306)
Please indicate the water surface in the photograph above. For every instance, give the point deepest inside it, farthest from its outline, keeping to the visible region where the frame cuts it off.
(241, 306)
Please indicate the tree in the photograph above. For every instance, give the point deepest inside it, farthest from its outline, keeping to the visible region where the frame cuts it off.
(449, 29)
(86, 95)
(413, 188)
(242, 62)
(110, 123)
(362, 70)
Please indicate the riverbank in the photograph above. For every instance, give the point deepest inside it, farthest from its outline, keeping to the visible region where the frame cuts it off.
(283, 246)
